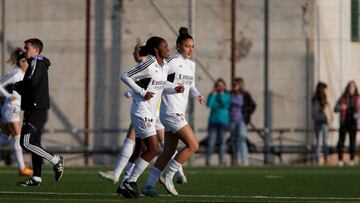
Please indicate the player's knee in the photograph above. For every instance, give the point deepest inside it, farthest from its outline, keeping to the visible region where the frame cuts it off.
(194, 146)
(154, 151)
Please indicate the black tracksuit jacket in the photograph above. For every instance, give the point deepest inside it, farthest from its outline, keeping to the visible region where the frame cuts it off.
(34, 88)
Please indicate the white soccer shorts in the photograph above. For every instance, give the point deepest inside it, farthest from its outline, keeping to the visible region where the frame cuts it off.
(10, 113)
(144, 126)
(173, 122)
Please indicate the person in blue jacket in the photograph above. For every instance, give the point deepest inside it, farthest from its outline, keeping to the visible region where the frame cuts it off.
(219, 102)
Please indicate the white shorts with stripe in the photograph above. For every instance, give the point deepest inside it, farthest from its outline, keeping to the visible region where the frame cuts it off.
(173, 122)
(10, 113)
(144, 126)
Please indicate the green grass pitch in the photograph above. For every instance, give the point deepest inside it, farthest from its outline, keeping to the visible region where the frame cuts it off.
(250, 184)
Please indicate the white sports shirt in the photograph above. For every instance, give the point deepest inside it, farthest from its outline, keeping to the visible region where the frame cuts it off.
(181, 71)
(10, 78)
(148, 76)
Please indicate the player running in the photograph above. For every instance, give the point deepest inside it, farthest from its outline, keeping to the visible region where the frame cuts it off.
(172, 115)
(10, 111)
(148, 85)
(128, 146)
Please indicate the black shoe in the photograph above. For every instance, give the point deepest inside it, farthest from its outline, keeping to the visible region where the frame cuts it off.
(59, 169)
(29, 182)
(123, 192)
(131, 188)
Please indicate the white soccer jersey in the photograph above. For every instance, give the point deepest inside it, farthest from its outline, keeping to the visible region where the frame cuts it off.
(181, 71)
(148, 76)
(11, 78)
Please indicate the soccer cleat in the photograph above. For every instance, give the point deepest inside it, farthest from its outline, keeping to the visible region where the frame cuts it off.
(181, 179)
(150, 191)
(26, 172)
(341, 163)
(123, 192)
(169, 185)
(29, 182)
(131, 188)
(109, 175)
(59, 169)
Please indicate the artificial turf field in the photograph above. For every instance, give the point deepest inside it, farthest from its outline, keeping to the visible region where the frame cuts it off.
(250, 184)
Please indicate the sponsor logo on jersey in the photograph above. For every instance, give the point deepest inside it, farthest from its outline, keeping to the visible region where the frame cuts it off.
(186, 79)
(158, 85)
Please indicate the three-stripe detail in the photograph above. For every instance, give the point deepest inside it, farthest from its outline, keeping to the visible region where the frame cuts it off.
(140, 67)
(171, 58)
(35, 149)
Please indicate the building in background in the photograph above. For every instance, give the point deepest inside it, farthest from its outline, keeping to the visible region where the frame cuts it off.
(309, 40)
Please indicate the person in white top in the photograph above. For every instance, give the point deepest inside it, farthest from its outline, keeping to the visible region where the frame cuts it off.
(149, 83)
(128, 146)
(130, 150)
(10, 111)
(172, 115)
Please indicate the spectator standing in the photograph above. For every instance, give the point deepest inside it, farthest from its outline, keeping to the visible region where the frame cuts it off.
(219, 101)
(322, 116)
(348, 107)
(242, 107)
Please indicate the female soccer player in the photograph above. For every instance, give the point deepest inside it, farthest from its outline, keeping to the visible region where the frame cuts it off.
(148, 85)
(129, 142)
(172, 115)
(127, 156)
(10, 111)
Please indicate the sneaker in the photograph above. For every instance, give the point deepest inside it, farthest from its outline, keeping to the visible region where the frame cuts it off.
(59, 169)
(169, 185)
(150, 191)
(181, 179)
(29, 182)
(341, 163)
(26, 172)
(108, 175)
(131, 188)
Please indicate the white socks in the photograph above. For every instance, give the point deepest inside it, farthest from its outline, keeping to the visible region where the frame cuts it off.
(139, 168)
(4, 139)
(153, 177)
(124, 156)
(172, 167)
(128, 169)
(37, 179)
(181, 171)
(15, 146)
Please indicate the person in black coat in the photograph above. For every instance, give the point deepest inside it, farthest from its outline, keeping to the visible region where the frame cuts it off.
(34, 91)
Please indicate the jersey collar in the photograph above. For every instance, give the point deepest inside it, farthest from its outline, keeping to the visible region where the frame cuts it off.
(156, 63)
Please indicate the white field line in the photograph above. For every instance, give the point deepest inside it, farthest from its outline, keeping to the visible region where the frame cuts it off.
(58, 193)
(11, 199)
(193, 196)
(213, 172)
